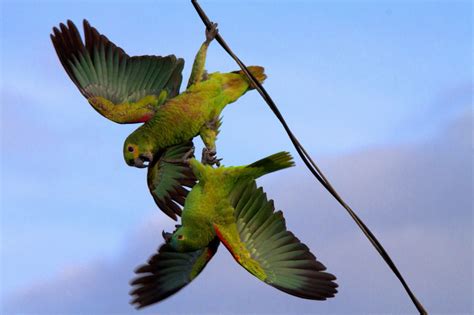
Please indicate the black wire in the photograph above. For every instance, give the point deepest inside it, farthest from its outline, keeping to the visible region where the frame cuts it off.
(310, 164)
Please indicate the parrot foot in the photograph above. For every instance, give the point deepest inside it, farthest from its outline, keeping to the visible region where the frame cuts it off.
(211, 32)
(209, 157)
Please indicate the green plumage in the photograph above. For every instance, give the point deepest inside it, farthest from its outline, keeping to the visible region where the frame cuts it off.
(226, 203)
(167, 272)
(123, 89)
(169, 181)
(145, 89)
(185, 116)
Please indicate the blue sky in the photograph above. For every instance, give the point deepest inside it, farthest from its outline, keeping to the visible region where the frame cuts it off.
(379, 92)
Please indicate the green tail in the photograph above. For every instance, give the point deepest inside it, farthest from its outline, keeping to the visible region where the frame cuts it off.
(272, 163)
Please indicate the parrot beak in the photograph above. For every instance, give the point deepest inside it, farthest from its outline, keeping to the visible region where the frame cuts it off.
(143, 160)
(166, 236)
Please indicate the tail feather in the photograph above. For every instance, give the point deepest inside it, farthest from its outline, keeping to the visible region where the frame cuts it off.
(257, 71)
(272, 163)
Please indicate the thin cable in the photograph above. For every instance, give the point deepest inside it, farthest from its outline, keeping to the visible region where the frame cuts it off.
(310, 164)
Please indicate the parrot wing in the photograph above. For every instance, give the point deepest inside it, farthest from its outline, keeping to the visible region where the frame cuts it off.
(167, 272)
(123, 89)
(169, 179)
(259, 241)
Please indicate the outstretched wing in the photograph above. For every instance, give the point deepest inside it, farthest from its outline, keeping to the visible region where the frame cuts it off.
(169, 179)
(259, 241)
(167, 272)
(123, 89)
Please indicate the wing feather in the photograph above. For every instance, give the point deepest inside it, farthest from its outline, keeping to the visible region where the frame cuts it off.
(259, 241)
(169, 181)
(167, 272)
(100, 69)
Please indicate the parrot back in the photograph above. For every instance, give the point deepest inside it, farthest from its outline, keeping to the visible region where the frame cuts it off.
(182, 117)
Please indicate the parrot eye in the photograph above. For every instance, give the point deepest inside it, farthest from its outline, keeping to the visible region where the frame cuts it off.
(180, 237)
(130, 148)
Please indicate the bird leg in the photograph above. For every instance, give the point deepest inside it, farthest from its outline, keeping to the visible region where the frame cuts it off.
(198, 72)
(209, 135)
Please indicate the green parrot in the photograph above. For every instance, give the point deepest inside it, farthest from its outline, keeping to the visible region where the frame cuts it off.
(226, 205)
(145, 89)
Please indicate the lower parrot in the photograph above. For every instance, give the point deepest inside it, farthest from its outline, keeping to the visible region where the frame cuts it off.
(226, 206)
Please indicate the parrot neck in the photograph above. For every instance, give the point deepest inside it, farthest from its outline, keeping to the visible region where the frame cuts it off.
(155, 134)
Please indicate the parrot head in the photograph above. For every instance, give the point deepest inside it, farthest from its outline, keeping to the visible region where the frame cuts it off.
(138, 150)
(184, 240)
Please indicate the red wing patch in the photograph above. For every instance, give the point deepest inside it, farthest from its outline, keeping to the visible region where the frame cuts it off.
(226, 243)
(145, 118)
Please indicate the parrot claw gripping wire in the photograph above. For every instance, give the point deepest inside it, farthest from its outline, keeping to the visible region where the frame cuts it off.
(310, 164)
(211, 32)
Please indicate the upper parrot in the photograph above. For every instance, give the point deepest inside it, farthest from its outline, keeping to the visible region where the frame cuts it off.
(226, 205)
(145, 89)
